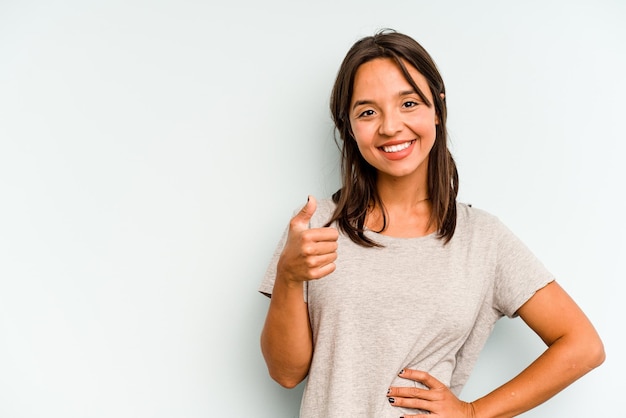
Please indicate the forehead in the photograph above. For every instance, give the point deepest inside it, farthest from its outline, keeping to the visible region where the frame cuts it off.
(383, 73)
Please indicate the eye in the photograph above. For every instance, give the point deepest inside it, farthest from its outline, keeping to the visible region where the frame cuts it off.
(409, 104)
(366, 113)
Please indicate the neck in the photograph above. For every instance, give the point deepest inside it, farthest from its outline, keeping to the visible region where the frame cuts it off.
(402, 194)
(407, 208)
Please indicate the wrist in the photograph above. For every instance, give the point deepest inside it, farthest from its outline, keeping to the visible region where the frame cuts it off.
(288, 282)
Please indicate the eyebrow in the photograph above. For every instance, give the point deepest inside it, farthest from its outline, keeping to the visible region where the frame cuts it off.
(367, 102)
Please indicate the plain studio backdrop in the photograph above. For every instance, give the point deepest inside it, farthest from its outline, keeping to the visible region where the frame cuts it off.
(151, 153)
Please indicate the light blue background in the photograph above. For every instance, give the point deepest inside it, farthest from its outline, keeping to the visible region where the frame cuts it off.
(151, 153)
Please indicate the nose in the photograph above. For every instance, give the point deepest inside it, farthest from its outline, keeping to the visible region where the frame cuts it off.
(390, 124)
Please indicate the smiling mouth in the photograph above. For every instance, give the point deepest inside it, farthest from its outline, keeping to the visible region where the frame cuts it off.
(397, 147)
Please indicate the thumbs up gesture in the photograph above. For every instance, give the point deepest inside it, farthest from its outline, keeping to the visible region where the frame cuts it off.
(309, 254)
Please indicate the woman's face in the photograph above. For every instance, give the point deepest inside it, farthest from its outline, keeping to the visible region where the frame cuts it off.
(393, 127)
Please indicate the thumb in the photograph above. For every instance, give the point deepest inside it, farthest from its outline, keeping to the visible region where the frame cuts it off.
(302, 218)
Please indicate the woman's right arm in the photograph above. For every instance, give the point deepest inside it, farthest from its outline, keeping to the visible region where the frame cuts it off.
(286, 340)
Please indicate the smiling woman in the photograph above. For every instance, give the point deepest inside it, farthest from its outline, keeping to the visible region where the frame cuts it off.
(385, 294)
(396, 74)
(395, 129)
(391, 127)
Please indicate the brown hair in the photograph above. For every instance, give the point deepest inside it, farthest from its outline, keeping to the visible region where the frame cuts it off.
(358, 190)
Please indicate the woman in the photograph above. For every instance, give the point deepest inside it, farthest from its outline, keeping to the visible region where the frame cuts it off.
(385, 295)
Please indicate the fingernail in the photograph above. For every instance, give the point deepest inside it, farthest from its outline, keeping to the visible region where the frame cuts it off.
(388, 391)
(391, 400)
(401, 372)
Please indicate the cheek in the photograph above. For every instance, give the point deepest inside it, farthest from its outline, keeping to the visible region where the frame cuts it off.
(364, 143)
(427, 126)
(364, 148)
(361, 135)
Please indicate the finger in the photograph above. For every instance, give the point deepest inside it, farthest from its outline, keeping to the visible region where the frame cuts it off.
(328, 234)
(412, 403)
(412, 392)
(422, 377)
(300, 222)
(321, 271)
(319, 248)
(317, 261)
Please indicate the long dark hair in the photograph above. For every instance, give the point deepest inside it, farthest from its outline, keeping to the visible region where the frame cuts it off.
(358, 192)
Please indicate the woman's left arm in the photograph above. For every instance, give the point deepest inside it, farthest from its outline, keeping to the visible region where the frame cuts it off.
(574, 349)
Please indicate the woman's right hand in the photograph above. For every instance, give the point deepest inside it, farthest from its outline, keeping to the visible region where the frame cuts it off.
(309, 254)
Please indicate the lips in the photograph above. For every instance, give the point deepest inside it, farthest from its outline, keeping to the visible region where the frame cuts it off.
(397, 147)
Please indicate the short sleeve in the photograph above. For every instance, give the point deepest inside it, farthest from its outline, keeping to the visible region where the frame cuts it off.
(519, 273)
(267, 284)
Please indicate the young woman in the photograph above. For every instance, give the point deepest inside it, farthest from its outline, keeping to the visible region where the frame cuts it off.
(385, 294)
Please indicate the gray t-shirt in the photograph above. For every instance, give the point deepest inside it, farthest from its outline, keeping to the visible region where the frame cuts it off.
(416, 303)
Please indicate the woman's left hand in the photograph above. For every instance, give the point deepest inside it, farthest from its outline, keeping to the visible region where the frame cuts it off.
(437, 399)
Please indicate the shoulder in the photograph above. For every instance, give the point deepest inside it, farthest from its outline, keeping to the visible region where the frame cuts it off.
(466, 213)
(476, 221)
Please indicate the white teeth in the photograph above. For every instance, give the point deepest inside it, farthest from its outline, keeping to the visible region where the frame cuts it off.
(397, 148)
